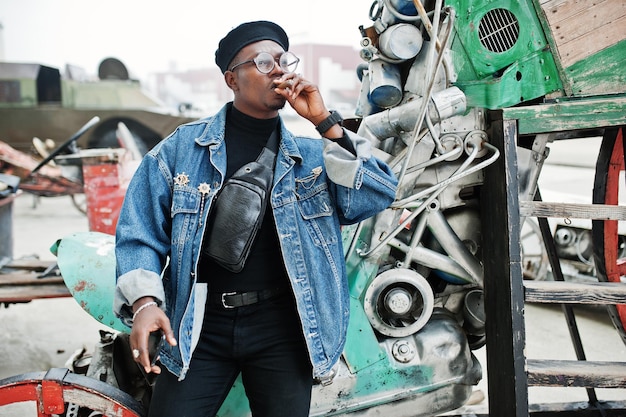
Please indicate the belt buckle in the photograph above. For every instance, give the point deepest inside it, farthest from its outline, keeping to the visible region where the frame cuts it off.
(224, 300)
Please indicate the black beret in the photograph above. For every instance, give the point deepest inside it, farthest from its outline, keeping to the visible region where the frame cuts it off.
(244, 35)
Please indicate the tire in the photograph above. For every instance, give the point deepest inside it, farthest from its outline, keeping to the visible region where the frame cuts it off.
(609, 246)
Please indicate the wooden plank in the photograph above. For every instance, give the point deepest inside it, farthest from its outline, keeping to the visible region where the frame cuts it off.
(589, 20)
(24, 293)
(572, 373)
(592, 42)
(21, 281)
(572, 210)
(564, 115)
(580, 29)
(569, 409)
(550, 292)
(21, 278)
(559, 10)
(28, 264)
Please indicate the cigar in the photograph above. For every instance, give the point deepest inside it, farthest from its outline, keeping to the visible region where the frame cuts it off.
(285, 84)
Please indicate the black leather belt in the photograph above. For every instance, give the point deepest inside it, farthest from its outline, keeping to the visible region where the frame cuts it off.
(240, 299)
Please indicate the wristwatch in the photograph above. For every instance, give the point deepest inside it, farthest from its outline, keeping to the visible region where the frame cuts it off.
(329, 122)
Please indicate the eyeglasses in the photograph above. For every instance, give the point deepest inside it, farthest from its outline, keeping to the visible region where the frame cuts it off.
(265, 62)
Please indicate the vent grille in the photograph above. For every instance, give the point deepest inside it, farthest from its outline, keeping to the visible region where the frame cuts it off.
(498, 30)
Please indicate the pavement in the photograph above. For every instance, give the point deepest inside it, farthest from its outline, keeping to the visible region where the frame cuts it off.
(42, 334)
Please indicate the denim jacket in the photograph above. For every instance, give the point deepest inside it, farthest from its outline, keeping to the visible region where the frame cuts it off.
(318, 186)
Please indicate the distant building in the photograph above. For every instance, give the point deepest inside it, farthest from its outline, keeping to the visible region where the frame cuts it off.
(331, 67)
(1, 42)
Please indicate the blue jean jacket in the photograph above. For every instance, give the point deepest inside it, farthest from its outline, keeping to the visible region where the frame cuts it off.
(318, 186)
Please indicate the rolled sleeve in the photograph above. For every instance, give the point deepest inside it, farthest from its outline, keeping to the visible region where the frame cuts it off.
(342, 165)
(134, 285)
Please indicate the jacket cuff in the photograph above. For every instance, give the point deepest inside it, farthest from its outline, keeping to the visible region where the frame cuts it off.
(342, 165)
(132, 286)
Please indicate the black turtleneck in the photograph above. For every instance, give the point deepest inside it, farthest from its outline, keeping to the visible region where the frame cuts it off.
(245, 138)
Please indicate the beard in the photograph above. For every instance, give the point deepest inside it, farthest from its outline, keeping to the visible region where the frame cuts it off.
(278, 105)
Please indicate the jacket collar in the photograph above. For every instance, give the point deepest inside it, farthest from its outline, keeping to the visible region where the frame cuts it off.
(213, 133)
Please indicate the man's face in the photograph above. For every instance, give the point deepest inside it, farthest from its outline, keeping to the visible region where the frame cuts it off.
(254, 91)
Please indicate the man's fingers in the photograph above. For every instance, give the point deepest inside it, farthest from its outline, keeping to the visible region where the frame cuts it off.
(285, 84)
(169, 333)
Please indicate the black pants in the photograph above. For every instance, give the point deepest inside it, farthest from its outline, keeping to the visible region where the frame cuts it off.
(264, 343)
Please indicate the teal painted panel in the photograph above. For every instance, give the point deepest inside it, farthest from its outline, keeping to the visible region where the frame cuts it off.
(87, 263)
(362, 349)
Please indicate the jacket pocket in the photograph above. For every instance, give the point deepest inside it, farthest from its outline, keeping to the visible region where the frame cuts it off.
(185, 200)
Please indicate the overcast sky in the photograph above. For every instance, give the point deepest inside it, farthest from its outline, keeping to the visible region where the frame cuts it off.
(148, 35)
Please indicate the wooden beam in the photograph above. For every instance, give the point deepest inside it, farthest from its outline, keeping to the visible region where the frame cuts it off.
(567, 292)
(21, 281)
(572, 210)
(563, 115)
(504, 293)
(573, 373)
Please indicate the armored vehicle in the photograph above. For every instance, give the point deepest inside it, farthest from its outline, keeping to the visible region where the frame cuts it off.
(39, 101)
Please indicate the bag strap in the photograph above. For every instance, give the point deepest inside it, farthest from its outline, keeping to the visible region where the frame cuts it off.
(268, 154)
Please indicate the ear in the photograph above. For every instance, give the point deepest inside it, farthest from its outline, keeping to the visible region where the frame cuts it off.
(231, 80)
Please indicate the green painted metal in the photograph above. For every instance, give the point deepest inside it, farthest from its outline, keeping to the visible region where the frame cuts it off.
(484, 63)
(496, 79)
(528, 78)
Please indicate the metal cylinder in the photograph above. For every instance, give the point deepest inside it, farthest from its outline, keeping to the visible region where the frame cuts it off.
(364, 105)
(385, 83)
(391, 122)
(474, 312)
(406, 7)
(447, 103)
(402, 41)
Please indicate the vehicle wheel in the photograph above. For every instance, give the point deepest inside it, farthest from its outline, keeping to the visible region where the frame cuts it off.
(609, 253)
(50, 390)
(80, 202)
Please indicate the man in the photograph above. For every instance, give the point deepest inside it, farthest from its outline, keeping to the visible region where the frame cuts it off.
(281, 321)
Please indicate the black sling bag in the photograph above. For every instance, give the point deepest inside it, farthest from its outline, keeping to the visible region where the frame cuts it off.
(238, 210)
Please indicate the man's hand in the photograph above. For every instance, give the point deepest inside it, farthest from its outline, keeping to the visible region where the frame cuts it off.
(149, 319)
(305, 98)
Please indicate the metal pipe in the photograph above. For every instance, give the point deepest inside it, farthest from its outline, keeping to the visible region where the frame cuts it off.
(435, 260)
(453, 246)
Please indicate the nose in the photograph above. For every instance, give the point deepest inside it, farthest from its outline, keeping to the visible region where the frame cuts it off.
(277, 68)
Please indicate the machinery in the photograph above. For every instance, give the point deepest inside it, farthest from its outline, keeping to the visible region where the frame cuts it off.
(432, 75)
(37, 101)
